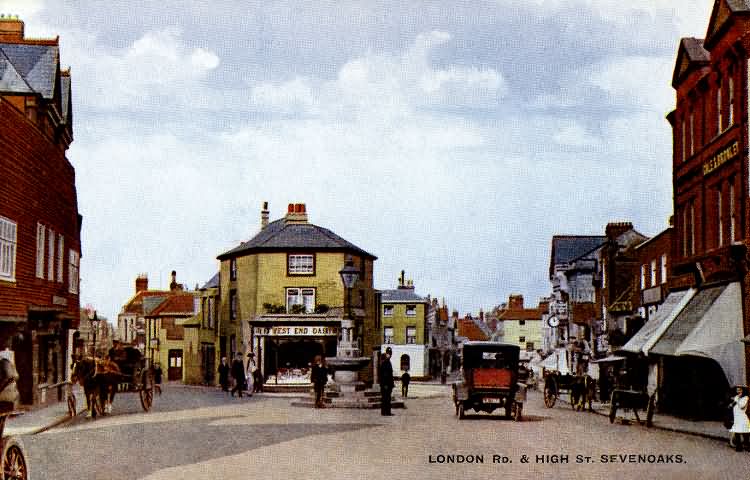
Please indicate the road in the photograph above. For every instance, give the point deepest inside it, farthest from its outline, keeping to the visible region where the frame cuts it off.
(195, 433)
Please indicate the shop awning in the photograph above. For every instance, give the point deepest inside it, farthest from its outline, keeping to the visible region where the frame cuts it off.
(686, 320)
(718, 335)
(664, 316)
(709, 326)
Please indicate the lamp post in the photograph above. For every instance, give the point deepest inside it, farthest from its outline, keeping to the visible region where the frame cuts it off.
(94, 327)
(349, 275)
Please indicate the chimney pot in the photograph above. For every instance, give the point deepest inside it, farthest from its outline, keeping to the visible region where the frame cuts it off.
(264, 216)
(290, 208)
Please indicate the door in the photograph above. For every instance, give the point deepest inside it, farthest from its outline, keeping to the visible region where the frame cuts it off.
(175, 365)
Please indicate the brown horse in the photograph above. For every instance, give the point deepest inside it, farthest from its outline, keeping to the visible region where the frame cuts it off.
(582, 392)
(99, 381)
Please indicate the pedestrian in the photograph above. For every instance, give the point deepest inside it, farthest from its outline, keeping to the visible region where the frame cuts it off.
(157, 377)
(224, 374)
(605, 384)
(238, 374)
(405, 379)
(385, 378)
(319, 377)
(740, 430)
(257, 380)
(250, 379)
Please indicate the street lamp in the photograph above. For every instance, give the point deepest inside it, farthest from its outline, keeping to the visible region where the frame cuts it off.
(349, 275)
(94, 326)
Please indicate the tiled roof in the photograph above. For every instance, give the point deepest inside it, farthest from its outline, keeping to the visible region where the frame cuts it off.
(213, 282)
(401, 295)
(140, 299)
(471, 329)
(10, 80)
(36, 64)
(694, 49)
(283, 235)
(518, 314)
(182, 304)
(566, 248)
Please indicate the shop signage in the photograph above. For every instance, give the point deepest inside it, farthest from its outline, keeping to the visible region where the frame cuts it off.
(295, 331)
(721, 158)
(59, 301)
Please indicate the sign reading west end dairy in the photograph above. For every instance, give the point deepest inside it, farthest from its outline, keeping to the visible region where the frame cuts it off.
(720, 158)
(296, 331)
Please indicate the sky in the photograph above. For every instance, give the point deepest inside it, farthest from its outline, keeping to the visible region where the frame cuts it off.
(450, 139)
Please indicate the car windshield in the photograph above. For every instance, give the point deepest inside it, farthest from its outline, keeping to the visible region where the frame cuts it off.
(494, 360)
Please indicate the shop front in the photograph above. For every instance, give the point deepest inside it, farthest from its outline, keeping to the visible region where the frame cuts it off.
(286, 351)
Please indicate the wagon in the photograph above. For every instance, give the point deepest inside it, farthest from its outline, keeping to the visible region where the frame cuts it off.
(635, 400)
(128, 372)
(13, 459)
(489, 380)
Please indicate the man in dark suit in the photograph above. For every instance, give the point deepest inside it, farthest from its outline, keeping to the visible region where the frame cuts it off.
(238, 373)
(385, 378)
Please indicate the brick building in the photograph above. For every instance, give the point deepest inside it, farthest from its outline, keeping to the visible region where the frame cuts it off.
(695, 338)
(40, 226)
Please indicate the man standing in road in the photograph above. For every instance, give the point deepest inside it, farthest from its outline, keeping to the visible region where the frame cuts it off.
(385, 377)
(224, 374)
(238, 373)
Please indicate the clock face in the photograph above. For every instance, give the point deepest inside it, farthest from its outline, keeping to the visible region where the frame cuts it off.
(553, 321)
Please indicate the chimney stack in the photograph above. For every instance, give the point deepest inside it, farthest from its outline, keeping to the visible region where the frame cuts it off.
(264, 216)
(615, 229)
(174, 285)
(296, 213)
(11, 28)
(141, 283)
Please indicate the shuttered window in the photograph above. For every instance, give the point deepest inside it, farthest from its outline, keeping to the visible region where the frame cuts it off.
(7, 249)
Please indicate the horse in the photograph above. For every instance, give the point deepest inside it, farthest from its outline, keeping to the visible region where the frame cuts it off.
(99, 380)
(582, 391)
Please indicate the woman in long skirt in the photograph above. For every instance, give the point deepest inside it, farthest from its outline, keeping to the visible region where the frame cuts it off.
(741, 426)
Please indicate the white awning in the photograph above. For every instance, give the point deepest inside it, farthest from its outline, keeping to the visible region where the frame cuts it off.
(718, 335)
(650, 332)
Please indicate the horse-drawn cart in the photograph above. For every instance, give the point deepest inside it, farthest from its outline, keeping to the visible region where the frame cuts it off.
(125, 372)
(558, 381)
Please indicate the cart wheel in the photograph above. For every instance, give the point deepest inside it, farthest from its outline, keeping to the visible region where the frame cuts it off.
(461, 415)
(72, 410)
(517, 411)
(147, 391)
(550, 393)
(14, 461)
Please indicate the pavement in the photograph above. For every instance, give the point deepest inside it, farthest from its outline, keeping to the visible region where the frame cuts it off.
(41, 419)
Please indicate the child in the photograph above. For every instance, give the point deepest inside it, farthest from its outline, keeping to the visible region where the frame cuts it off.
(405, 379)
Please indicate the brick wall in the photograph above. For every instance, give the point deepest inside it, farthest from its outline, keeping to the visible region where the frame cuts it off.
(38, 185)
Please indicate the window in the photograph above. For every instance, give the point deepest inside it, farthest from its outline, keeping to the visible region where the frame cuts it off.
(388, 335)
(304, 297)
(692, 134)
(7, 249)
(233, 269)
(405, 363)
(719, 218)
(387, 310)
(522, 322)
(521, 339)
(604, 275)
(719, 110)
(73, 259)
(730, 86)
(411, 335)
(692, 228)
(685, 232)
(51, 255)
(301, 265)
(653, 273)
(232, 305)
(39, 250)
(684, 143)
(643, 277)
(529, 346)
(732, 216)
(211, 316)
(60, 257)
(664, 268)
(411, 310)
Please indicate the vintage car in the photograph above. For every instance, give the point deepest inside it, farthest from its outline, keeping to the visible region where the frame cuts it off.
(489, 380)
